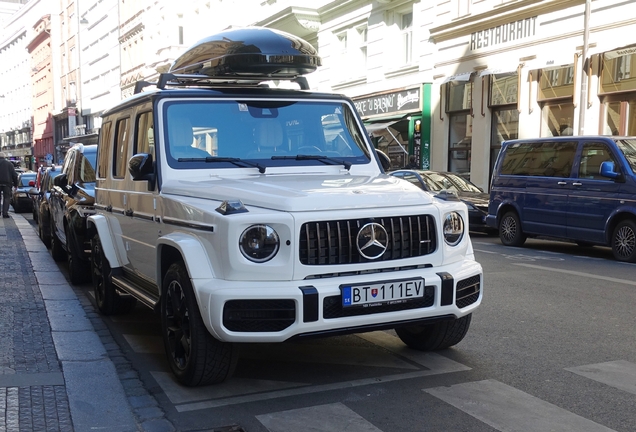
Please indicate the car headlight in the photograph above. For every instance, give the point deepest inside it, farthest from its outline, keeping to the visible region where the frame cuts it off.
(453, 228)
(259, 243)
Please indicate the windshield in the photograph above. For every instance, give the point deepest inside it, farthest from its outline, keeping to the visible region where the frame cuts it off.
(628, 147)
(25, 179)
(223, 134)
(451, 182)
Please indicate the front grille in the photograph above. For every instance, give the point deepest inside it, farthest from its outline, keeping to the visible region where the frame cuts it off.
(259, 315)
(467, 291)
(334, 242)
(332, 306)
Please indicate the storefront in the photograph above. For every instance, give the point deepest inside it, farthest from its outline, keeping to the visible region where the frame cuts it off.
(523, 75)
(398, 122)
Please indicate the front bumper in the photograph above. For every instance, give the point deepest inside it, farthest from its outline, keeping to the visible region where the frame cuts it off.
(275, 311)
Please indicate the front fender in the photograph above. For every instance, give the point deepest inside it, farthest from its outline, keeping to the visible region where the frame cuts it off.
(100, 224)
(194, 254)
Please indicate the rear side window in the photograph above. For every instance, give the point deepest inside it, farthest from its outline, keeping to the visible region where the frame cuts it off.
(104, 140)
(541, 159)
(120, 150)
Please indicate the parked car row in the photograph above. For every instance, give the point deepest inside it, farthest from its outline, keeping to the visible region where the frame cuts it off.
(60, 207)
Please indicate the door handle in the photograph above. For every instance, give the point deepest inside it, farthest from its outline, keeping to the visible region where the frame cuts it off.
(577, 184)
(561, 183)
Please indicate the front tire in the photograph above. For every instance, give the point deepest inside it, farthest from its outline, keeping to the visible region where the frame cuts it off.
(624, 241)
(77, 268)
(108, 300)
(195, 356)
(57, 251)
(510, 232)
(431, 337)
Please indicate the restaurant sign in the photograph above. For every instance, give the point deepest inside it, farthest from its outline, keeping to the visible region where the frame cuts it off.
(395, 102)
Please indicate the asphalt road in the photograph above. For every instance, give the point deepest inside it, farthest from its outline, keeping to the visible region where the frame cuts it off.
(552, 348)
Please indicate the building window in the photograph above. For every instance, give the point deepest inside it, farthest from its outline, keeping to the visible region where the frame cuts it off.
(618, 73)
(502, 100)
(406, 36)
(557, 119)
(362, 47)
(619, 114)
(555, 83)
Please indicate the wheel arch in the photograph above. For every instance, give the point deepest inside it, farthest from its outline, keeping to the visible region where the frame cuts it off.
(98, 224)
(505, 207)
(618, 216)
(185, 247)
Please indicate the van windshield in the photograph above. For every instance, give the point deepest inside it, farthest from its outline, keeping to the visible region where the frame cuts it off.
(628, 147)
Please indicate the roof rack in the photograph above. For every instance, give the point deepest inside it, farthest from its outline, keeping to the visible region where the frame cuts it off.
(203, 81)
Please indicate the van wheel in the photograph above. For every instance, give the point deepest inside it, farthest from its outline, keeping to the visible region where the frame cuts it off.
(109, 301)
(430, 337)
(57, 251)
(195, 356)
(510, 232)
(624, 241)
(77, 268)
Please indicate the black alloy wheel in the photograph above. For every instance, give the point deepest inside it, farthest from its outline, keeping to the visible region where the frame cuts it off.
(108, 300)
(57, 251)
(195, 356)
(77, 268)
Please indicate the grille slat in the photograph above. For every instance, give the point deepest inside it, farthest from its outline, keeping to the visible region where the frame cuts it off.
(406, 239)
(467, 291)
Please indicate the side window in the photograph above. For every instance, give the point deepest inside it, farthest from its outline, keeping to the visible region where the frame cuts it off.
(105, 139)
(592, 156)
(541, 159)
(145, 140)
(120, 149)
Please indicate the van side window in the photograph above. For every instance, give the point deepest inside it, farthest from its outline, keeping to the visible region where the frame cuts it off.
(120, 150)
(592, 156)
(541, 159)
(145, 140)
(104, 141)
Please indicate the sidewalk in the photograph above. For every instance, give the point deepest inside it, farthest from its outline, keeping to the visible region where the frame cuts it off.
(56, 373)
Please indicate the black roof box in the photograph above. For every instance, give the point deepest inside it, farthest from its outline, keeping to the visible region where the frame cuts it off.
(249, 52)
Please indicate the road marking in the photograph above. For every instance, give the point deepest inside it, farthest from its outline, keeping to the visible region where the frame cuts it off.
(179, 394)
(228, 393)
(485, 251)
(576, 273)
(506, 408)
(619, 374)
(320, 418)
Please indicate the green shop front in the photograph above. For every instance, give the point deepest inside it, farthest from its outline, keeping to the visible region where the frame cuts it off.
(398, 122)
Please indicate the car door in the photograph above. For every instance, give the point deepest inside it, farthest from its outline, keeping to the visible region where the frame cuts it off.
(58, 198)
(592, 197)
(548, 182)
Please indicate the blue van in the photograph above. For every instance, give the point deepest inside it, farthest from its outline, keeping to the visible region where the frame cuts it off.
(572, 188)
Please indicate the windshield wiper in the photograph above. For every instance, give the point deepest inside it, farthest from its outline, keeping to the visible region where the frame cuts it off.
(324, 159)
(236, 161)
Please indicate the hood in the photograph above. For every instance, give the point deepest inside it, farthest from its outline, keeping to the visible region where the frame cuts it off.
(475, 198)
(304, 192)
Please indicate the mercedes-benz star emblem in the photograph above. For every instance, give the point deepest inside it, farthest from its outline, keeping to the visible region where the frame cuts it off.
(372, 240)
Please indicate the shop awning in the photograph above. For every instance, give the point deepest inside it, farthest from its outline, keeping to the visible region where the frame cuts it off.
(626, 50)
(372, 127)
(458, 77)
(498, 70)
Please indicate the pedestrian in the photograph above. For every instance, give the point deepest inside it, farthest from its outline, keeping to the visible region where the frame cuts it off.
(8, 179)
(412, 163)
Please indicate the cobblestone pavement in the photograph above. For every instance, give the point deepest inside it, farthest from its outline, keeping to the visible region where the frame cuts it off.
(60, 369)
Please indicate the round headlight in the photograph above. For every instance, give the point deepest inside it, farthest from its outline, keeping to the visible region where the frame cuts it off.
(453, 228)
(259, 243)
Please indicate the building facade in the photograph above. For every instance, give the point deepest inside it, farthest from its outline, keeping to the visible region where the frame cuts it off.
(438, 84)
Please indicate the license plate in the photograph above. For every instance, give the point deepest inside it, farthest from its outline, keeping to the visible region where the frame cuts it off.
(22, 195)
(379, 293)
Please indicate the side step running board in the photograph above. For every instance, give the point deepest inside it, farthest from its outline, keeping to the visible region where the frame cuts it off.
(139, 294)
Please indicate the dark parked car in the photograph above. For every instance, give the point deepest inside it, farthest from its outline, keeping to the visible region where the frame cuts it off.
(434, 181)
(41, 205)
(70, 202)
(20, 199)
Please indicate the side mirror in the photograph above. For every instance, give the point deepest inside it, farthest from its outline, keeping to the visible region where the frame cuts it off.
(607, 170)
(60, 181)
(141, 167)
